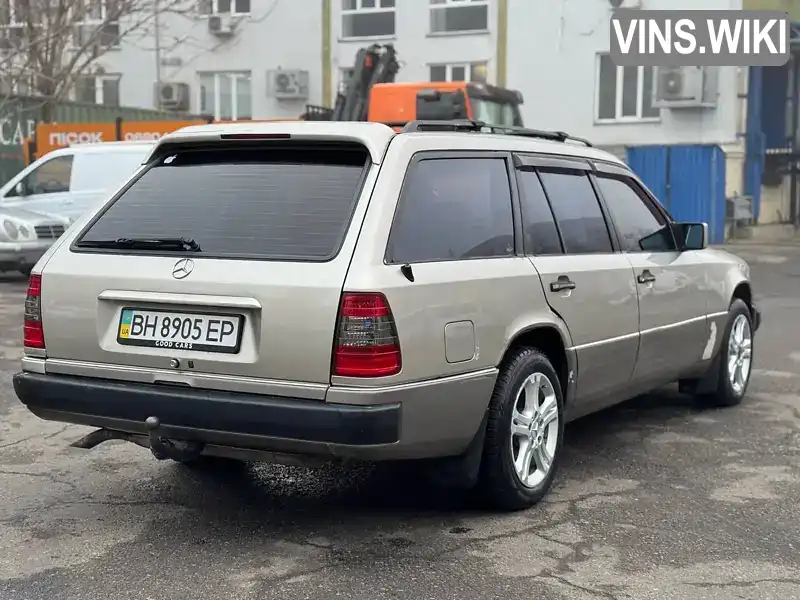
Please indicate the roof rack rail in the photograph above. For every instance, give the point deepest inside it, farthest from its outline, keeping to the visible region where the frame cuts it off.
(468, 125)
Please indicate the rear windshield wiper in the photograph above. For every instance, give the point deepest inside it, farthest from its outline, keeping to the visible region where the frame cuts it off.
(175, 244)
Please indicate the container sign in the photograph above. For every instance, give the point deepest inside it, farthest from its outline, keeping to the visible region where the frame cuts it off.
(52, 136)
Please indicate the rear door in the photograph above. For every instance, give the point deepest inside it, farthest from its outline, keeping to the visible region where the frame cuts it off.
(586, 280)
(253, 292)
(468, 288)
(670, 283)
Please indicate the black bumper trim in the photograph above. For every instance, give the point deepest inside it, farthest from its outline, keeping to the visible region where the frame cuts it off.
(236, 413)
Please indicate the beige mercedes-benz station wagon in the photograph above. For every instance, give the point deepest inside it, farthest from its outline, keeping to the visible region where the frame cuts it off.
(450, 292)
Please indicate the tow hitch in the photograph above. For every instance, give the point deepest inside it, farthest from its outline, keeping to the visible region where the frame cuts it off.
(161, 447)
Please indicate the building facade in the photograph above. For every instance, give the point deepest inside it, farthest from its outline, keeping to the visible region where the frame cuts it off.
(221, 60)
(554, 52)
(558, 57)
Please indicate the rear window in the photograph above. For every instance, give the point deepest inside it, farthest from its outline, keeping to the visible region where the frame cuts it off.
(292, 203)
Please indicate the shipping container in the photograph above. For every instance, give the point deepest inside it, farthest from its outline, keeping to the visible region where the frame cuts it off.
(19, 116)
(688, 180)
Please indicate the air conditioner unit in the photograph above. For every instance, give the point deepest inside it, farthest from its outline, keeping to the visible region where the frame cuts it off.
(288, 84)
(221, 26)
(685, 87)
(171, 95)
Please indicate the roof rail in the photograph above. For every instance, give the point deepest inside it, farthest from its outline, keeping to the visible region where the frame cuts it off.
(471, 126)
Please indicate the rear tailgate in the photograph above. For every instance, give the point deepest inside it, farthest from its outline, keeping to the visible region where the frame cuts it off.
(275, 223)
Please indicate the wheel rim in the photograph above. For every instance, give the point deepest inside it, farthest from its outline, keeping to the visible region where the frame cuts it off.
(534, 429)
(740, 352)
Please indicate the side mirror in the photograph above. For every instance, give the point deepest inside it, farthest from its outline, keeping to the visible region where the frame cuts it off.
(691, 236)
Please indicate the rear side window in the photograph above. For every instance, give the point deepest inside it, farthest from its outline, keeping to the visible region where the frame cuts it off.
(453, 209)
(102, 171)
(577, 212)
(281, 203)
(541, 235)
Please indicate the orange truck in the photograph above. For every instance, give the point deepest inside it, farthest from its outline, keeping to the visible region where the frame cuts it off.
(371, 94)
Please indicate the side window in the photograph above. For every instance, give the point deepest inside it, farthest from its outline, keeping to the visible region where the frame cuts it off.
(577, 211)
(640, 226)
(452, 209)
(538, 224)
(99, 171)
(50, 177)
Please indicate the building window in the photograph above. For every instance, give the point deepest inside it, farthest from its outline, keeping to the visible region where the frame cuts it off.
(367, 18)
(226, 96)
(624, 93)
(224, 7)
(452, 16)
(12, 12)
(98, 89)
(475, 72)
(96, 24)
(16, 17)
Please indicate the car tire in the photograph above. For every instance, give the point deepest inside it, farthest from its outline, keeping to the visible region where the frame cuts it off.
(534, 446)
(735, 362)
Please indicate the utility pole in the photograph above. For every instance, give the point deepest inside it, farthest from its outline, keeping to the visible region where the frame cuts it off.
(157, 32)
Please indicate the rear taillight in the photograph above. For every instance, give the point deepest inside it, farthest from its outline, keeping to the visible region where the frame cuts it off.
(366, 342)
(34, 333)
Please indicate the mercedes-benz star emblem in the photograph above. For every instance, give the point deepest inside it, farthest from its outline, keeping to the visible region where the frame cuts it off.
(182, 268)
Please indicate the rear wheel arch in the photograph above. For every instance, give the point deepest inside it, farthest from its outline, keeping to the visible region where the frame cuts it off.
(547, 339)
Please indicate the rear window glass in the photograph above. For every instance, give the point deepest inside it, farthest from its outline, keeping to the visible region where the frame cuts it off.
(287, 202)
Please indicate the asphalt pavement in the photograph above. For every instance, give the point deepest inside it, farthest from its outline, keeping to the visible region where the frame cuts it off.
(656, 499)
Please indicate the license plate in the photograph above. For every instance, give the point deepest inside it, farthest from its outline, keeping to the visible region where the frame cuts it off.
(180, 330)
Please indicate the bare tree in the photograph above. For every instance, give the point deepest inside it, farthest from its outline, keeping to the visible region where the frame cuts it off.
(47, 45)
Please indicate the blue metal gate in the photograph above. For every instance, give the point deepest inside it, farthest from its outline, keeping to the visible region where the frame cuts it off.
(688, 180)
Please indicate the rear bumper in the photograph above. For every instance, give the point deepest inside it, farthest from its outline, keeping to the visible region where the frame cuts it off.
(198, 414)
(407, 421)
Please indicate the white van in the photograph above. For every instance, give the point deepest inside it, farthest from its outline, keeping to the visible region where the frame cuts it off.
(69, 181)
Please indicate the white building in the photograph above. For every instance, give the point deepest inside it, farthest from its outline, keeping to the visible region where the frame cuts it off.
(553, 51)
(558, 58)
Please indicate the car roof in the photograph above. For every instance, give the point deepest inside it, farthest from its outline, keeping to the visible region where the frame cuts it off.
(374, 136)
(377, 136)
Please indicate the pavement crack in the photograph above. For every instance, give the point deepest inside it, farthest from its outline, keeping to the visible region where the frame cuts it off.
(21, 441)
(55, 433)
(587, 590)
(742, 584)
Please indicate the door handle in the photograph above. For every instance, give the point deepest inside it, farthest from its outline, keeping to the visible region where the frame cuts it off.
(561, 284)
(646, 277)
